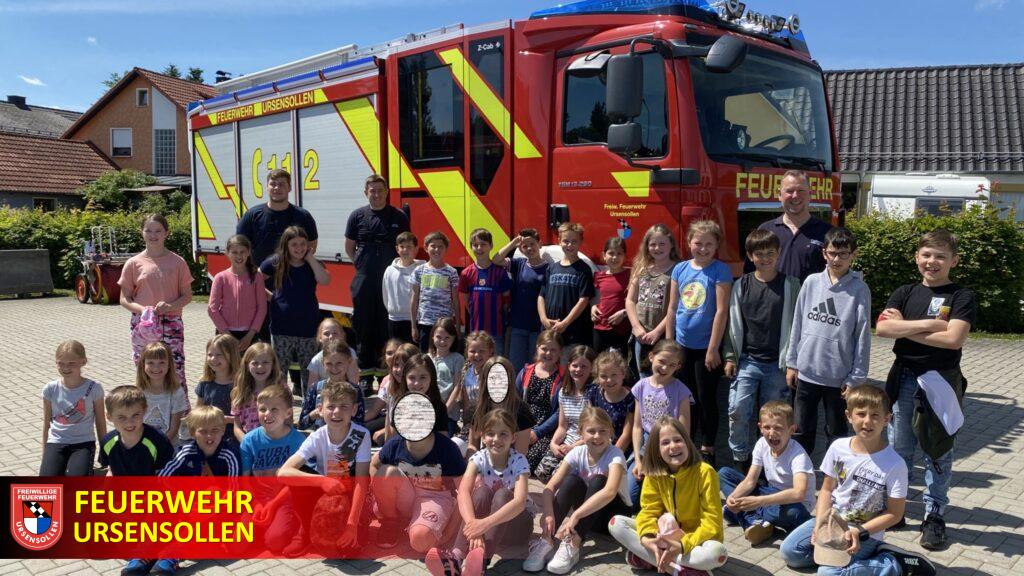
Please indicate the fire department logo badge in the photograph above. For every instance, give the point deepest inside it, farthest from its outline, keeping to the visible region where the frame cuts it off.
(37, 514)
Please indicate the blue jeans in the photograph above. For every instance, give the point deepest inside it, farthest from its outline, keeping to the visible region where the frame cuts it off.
(937, 472)
(798, 552)
(785, 516)
(756, 383)
(499, 344)
(632, 483)
(521, 344)
(640, 356)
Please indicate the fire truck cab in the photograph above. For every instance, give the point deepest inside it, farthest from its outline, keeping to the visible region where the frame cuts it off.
(618, 114)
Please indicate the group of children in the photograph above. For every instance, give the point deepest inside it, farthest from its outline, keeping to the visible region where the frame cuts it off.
(613, 454)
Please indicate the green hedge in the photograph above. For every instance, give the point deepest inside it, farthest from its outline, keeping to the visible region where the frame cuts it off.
(63, 232)
(991, 260)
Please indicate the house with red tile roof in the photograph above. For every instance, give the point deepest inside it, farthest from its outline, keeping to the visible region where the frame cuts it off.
(46, 172)
(140, 123)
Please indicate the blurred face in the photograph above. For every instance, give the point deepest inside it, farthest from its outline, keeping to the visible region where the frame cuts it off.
(278, 190)
(775, 432)
(498, 440)
(570, 243)
(328, 332)
(659, 247)
(338, 412)
(377, 194)
(436, 250)
(764, 260)
(215, 359)
(261, 367)
(672, 447)
(389, 353)
(417, 380)
(664, 364)
(128, 420)
(610, 376)
(530, 247)
(868, 423)
(614, 258)
(238, 254)
(596, 435)
(548, 353)
(156, 368)
(703, 247)
(396, 367)
(480, 248)
(336, 366)
(154, 234)
(70, 365)
(209, 437)
(406, 250)
(477, 353)
(579, 370)
(934, 264)
(442, 341)
(297, 248)
(838, 260)
(273, 415)
(795, 196)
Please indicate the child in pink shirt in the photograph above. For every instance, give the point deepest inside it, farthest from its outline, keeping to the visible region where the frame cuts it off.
(238, 299)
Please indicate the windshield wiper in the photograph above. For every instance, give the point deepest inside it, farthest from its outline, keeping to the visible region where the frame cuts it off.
(745, 157)
(806, 161)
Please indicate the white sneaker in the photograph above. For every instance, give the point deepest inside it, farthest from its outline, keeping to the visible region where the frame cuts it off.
(565, 558)
(540, 552)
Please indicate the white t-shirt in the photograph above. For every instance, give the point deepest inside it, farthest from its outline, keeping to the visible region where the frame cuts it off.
(864, 481)
(337, 459)
(579, 462)
(780, 471)
(161, 406)
(316, 367)
(494, 478)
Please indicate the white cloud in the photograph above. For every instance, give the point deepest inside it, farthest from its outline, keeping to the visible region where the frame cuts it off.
(31, 81)
(91, 40)
(990, 4)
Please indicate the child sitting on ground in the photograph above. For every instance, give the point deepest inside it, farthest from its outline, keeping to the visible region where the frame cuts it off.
(210, 452)
(166, 402)
(73, 416)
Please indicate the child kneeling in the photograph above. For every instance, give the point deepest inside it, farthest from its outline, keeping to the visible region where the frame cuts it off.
(680, 521)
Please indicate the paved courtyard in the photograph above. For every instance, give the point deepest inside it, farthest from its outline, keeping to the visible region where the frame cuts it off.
(985, 520)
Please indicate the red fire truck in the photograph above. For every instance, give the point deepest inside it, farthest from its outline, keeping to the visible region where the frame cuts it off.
(614, 113)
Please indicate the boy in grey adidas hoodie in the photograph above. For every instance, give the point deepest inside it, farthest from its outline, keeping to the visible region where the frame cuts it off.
(830, 345)
(398, 287)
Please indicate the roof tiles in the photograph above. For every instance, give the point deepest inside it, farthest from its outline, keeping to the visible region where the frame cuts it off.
(39, 164)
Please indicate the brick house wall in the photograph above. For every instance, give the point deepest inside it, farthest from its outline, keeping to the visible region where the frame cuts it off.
(121, 112)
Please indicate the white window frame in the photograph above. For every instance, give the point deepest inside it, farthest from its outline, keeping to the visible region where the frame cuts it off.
(139, 91)
(175, 171)
(131, 149)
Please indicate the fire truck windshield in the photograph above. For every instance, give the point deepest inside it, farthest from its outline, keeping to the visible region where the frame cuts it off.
(769, 109)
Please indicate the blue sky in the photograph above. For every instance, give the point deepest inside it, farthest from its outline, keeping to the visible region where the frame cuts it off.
(58, 52)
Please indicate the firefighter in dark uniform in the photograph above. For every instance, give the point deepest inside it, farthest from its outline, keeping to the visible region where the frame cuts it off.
(370, 243)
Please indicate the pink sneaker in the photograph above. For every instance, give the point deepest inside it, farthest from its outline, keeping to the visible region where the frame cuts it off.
(474, 564)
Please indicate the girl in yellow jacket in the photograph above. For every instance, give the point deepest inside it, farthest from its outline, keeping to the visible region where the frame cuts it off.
(679, 527)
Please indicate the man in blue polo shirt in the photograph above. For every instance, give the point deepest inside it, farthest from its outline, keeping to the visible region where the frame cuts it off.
(801, 236)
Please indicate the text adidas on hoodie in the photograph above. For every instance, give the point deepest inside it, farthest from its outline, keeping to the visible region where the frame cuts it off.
(831, 339)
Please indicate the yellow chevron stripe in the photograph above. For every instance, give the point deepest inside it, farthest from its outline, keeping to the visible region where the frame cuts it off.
(362, 121)
(224, 192)
(203, 223)
(635, 183)
(399, 173)
(463, 212)
(489, 104)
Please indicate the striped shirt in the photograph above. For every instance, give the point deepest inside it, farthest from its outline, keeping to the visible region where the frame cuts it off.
(191, 461)
(486, 288)
(572, 407)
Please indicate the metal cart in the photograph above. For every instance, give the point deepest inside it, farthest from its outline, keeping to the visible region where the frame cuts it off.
(101, 268)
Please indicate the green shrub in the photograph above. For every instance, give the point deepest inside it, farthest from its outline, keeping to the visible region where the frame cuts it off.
(991, 260)
(108, 191)
(63, 233)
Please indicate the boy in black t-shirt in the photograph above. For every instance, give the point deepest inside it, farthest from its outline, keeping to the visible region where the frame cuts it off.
(134, 449)
(930, 321)
(568, 288)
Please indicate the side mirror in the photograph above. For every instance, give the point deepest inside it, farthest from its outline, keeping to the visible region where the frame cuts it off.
(624, 139)
(726, 54)
(625, 81)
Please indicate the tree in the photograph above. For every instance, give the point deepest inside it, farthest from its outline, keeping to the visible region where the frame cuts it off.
(114, 78)
(172, 71)
(107, 192)
(195, 75)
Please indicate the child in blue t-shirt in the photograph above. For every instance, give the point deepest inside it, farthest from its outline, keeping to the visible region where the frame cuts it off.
(698, 314)
(264, 451)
